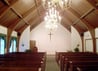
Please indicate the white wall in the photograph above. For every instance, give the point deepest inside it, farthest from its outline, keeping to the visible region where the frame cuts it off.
(60, 40)
(75, 39)
(96, 34)
(25, 40)
(3, 30)
(14, 34)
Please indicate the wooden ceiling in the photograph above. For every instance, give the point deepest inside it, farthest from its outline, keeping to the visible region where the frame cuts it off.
(19, 14)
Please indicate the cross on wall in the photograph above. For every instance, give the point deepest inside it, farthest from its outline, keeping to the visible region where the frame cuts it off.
(50, 35)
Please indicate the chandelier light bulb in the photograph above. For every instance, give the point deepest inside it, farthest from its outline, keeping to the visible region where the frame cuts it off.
(66, 0)
(52, 17)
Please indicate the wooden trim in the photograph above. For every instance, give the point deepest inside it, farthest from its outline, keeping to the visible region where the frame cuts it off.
(93, 3)
(9, 32)
(7, 2)
(82, 39)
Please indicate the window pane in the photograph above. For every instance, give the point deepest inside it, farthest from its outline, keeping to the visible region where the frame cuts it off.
(14, 49)
(2, 46)
(13, 46)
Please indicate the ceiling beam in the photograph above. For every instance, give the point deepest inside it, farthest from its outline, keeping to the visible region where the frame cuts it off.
(9, 32)
(10, 8)
(66, 25)
(19, 15)
(15, 22)
(33, 19)
(8, 5)
(37, 4)
(71, 24)
(22, 28)
(68, 18)
(87, 25)
(29, 11)
(24, 16)
(6, 2)
(94, 3)
(3, 10)
(36, 22)
(34, 11)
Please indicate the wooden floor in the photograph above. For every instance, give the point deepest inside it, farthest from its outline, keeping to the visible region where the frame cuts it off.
(51, 64)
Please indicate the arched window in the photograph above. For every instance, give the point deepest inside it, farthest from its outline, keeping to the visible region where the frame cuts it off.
(2, 43)
(13, 44)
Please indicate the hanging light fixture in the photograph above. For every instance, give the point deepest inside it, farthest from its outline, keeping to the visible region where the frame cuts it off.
(65, 3)
(52, 17)
(62, 3)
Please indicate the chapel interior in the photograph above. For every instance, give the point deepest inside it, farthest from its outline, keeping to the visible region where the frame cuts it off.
(48, 35)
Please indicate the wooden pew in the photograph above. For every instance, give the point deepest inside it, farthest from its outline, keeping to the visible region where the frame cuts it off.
(23, 64)
(83, 66)
(21, 55)
(60, 54)
(75, 56)
(19, 69)
(57, 56)
(66, 54)
(34, 60)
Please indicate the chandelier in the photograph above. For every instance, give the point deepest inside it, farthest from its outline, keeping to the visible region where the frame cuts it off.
(62, 3)
(52, 17)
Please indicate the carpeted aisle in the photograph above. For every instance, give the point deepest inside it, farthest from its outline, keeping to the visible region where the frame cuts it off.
(51, 64)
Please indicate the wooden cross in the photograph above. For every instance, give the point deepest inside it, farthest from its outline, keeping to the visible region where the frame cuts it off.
(50, 34)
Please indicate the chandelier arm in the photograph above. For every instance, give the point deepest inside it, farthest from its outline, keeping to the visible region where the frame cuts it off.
(53, 17)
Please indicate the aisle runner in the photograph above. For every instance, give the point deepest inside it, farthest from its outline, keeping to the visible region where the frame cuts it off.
(51, 64)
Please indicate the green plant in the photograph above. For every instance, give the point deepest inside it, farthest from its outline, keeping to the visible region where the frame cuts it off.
(76, 49)
(28, 50)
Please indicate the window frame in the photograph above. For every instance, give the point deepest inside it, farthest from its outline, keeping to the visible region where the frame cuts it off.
(2, 36)
(12, 40)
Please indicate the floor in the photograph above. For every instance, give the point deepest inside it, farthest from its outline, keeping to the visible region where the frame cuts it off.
(51, 64)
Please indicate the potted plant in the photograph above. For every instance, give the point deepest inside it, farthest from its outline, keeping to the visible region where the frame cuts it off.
(76, 49)
(28, 51)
